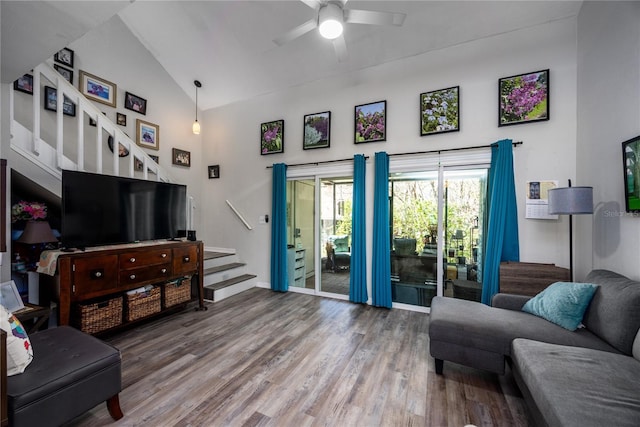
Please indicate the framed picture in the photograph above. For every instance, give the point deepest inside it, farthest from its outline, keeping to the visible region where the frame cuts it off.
(137, 164)
(147, 135)
(122, 150)
(631, 168)
(317, 128)
(121, 119)
(10, 297)
(24, 84)
(155, 158)
(272, 137)
(51, 102)
(440, 111)
(97, 89)
(214, 171)
(135, 103)
(64, 72)
(523, 98)
(64, 56)
(181, 157)
(371, 122)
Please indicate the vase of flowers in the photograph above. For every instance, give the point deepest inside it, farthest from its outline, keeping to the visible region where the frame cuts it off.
(28, 211)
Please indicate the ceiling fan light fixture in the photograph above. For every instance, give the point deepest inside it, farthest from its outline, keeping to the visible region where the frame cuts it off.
(330, 21)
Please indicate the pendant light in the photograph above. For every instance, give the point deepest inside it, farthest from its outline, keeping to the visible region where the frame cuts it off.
(196, 125)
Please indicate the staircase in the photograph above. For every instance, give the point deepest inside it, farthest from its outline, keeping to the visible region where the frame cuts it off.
(224, 275)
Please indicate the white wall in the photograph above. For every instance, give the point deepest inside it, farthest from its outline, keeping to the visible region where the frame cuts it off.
(608, 114)
(231, 134)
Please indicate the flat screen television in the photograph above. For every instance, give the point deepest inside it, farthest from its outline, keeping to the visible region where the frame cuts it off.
(103, 209)
(631, 168)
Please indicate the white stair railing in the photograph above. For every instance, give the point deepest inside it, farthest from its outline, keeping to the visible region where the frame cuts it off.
(51, 156)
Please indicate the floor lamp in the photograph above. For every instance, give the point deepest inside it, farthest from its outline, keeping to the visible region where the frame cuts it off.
(571, 201)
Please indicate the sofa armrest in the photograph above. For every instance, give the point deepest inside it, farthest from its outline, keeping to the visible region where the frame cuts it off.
(509, 301)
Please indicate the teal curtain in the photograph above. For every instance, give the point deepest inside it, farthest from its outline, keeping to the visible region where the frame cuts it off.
(358, 266)
(502, 231)
(279, 278)
(381, 280)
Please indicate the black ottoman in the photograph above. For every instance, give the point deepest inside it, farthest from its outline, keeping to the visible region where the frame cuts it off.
(71, 372)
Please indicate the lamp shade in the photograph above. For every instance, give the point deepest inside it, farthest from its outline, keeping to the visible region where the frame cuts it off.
(571, 201)
(37, 232)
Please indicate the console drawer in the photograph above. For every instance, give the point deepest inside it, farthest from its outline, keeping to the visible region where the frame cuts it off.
(137, 259)
(94, 274)
(185, 259)
(154, 273)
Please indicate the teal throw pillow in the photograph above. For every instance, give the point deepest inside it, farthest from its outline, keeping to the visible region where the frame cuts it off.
(562, 303)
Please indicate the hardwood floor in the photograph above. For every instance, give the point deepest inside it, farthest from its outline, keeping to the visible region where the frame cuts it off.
(272, 359)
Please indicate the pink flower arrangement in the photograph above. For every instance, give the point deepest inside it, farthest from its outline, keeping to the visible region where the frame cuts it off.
(28, 211)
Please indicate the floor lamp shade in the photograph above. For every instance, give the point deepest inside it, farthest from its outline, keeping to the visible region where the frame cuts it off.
(571, 201)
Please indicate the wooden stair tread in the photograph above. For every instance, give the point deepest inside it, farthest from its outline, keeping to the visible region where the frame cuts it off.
(212, 255)
(229, 282)
(223, 267)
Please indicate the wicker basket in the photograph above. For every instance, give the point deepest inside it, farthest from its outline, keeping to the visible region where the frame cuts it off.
(177, 291)
(142, 304)
(99, 316)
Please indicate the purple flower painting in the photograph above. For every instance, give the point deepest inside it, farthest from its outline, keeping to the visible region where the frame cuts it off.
(371, 122)
(272, 137)
(524, 98)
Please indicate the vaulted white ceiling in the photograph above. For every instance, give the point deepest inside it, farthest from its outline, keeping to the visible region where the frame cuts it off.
(228, 45)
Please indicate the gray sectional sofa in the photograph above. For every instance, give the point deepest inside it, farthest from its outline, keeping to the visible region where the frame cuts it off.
(587, 377)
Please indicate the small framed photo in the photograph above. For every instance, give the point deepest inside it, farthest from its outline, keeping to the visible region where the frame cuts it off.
(121, 119)
(97, 89)
(122, 150)
(10, 297)
(181, 157)
(371, 122)
(214, 171)
(137, 164)
(147, 135)
(155, 158)
(51, 102)
(64, 56)
(523, 98)
(24, 84)
(64, 72)
(317, 128)
(272, 137)
(135, 103)
(440, 111)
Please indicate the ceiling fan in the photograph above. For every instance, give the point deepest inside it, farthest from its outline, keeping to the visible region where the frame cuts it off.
(331, 16)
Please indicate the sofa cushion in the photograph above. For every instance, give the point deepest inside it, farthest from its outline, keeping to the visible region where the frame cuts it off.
(562, 303)
(472, 324)
(613, 314)
(579, 387)
(19, 350)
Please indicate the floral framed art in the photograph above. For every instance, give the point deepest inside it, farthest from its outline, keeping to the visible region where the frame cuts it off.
(371, 122)
(440, 111)
(135, 103)
(317, 128)
(180, 157)
(64, 56)
(147, 134)
(24, 84)
(97, 89)
(523, 98)
(272, 137)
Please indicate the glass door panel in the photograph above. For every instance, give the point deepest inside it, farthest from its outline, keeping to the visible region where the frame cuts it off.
(335, 234)
(300, 233)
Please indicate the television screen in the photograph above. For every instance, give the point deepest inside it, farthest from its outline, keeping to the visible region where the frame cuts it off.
(631, 163)
(104, 209)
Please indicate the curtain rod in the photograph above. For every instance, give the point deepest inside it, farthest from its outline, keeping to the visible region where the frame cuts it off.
(515, 144)
(444, 150)
(319, 163)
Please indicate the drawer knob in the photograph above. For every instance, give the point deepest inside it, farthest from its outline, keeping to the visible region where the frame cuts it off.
(186, 259)
(163, 255)
(96, 274)
(132, 277)
(163, 271)
(132, 259)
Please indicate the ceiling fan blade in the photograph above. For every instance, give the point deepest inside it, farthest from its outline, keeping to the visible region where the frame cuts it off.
(296, 32)
(313, 4)
(371, 17)
(340, 47)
